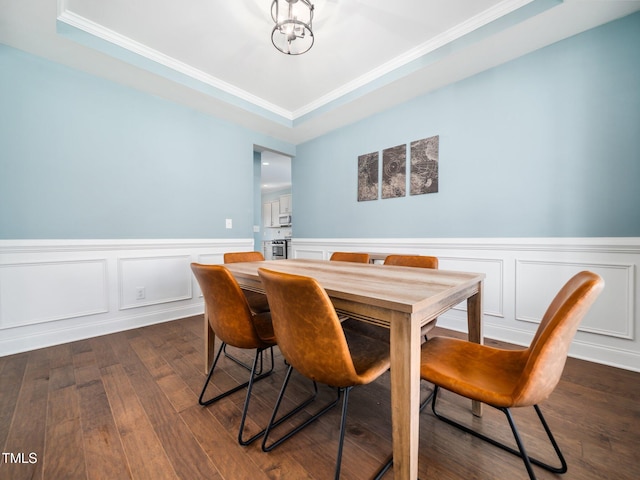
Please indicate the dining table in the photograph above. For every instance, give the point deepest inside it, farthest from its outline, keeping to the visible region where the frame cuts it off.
(402, 299)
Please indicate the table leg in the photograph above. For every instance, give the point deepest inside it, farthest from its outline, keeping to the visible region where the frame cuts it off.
(209, 342)
(405, 395)
(474, 321)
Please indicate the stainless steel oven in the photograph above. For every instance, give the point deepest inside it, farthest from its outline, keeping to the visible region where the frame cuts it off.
(278, 249)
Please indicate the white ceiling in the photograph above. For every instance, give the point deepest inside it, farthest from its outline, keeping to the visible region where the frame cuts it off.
(217, 56)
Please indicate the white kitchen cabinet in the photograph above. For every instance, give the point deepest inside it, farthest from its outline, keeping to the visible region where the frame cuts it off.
(275, 214)
(271, 214)
(266, 214)
(285, 204)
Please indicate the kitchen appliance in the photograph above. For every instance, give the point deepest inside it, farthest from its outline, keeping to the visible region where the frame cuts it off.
(279, 249)
(284, 220)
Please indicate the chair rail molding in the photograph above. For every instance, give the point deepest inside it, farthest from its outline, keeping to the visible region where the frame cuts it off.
(522, 276)
(58, 291)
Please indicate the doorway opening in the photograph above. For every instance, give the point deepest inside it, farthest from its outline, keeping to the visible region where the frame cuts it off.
(274, 230)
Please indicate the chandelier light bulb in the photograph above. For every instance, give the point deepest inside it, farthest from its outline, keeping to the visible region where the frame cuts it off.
(292, 33)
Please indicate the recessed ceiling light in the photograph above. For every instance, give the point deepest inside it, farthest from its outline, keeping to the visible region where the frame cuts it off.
(265, 163)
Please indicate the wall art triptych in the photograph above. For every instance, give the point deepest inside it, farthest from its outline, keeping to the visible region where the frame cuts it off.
(368, 177)
(423, 175)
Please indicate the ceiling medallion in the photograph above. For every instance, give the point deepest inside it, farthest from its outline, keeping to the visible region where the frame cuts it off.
(292, 33)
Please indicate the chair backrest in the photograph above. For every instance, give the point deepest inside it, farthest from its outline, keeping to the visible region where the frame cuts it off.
(422, 261)
(350, 257)
(235, 257)
(227, 307)
(310, 336)
(548, 351)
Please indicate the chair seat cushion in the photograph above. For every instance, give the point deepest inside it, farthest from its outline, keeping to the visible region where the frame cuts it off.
(264, 329)
(370, 355)
(478, 372)
(257, 301)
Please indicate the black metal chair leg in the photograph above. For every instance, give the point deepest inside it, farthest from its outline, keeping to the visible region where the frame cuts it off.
(427, 400)
(556, 447)
(384, 469)
(249, 384)
(203, 402)
(244, 365)
(247, 399)
(343, 423)
(521, 452)
(274, 423)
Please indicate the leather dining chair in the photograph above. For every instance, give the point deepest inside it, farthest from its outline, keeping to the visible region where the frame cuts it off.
(257, 301)
(354, 257)
(312, 341)
(235, 257)
(234, 324)
(420, 261)
(506, 379)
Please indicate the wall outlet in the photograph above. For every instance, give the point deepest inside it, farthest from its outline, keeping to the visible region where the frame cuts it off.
(229, 223)
(140, 293)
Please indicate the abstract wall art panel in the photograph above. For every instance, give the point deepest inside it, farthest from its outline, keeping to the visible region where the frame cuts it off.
(394, 172)
(424, 165)
(368, 177)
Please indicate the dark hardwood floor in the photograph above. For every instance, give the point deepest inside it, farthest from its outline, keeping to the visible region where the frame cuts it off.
(125, 406)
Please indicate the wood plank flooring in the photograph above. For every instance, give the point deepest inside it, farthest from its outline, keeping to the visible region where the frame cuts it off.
(125, 406)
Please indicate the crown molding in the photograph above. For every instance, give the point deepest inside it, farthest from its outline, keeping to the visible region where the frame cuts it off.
(483, 18)
(114, 38)
(454, 33)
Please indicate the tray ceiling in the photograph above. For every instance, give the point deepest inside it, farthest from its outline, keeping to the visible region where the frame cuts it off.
(368, 54)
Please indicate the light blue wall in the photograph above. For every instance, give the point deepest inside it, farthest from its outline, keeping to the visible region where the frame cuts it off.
(82, 157)
(547, 145)
(257, 200)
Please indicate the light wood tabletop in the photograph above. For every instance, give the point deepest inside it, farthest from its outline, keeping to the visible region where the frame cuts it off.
(402, 299)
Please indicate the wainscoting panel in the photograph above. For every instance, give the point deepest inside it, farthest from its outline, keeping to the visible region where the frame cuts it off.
(522, 276)
(154, 280)
(492, 299)
(57, 291)
(46, 291)
(312, 254)
(212, 259)
(611, 315)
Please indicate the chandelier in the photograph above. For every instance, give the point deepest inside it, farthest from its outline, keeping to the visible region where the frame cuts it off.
(292, 33)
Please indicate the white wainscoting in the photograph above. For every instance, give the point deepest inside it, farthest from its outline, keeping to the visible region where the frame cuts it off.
(57, 291)
(522, 276)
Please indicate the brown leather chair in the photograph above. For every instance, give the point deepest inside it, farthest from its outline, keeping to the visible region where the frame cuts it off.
(513, 378)
(312, 341)
(349, 257)
(234, 324)
(422, 261)
(236, 257)
(257, 301)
